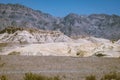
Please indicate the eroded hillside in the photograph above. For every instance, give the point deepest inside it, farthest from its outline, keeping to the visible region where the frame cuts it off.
(30, 41)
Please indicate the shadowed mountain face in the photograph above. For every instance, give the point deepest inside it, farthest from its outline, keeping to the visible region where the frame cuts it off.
(98, 25)
(19, 15)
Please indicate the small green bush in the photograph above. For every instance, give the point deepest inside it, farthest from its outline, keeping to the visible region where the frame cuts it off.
(31, 76)
(91, 77)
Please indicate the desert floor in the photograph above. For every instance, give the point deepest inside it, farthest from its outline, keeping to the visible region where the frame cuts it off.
(68, 68)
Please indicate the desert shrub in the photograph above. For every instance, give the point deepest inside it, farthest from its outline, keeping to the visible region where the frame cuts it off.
(99, 54)
(91, 77)
(3, 77)
(80, 53)
(14, 53)
(111, 76)
(113, 41)
(11, 29)
(31, 76)
(3, 44)
(2, 64)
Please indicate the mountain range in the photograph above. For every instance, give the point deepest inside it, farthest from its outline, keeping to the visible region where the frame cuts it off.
(72, 25)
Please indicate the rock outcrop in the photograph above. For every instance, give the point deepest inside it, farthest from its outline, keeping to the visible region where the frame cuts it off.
(31, 35)
(84, 47)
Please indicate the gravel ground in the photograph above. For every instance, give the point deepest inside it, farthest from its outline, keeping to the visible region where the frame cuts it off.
(68, 68)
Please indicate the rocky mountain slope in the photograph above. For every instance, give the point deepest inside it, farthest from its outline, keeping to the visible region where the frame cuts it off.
(73, 25)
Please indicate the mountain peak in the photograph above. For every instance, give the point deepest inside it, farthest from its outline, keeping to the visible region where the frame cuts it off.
(72, 15)
(9, 5)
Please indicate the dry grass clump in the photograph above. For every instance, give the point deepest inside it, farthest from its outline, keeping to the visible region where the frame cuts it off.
(3, 44)
(81, 53)
(2, 65)
(91, 77)
(14, 53)
(31, 76)
(99, 54)
(3, 77)
(109, 76)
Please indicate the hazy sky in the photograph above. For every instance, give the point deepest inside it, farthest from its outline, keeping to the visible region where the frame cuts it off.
(64, 7)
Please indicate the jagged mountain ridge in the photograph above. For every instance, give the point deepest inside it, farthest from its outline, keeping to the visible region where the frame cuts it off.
(19, 15)
(73, 25)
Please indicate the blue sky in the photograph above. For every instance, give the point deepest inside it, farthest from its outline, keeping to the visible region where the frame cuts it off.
(63, 7)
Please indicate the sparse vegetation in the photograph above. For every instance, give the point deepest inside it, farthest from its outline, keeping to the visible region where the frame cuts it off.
(80, 53)
(3, 77)
(11, 30)
(14, 53)
(2, 64)
(3, 44)
(99, 54)
(91, 77)
(113, 41)
(31, 76)
(111, 76)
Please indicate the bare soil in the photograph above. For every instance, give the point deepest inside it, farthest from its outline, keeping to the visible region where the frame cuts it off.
(68, 68)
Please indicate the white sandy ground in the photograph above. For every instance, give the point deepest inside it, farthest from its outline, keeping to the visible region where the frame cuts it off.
(68, 49)
(59, 45)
